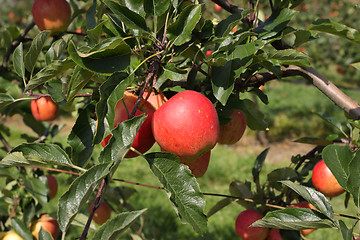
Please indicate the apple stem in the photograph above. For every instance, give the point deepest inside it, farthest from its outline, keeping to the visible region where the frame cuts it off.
(5, 143)
(96, 206)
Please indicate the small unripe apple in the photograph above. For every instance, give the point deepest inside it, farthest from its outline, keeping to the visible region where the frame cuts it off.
(187, 125)
(52, 15)
(12, 235)
(199, 166)
(274, 234)
(48, 224)
(144, 138)
(324, 181)
(102, 214)
(217, 7)
(244, 220)
(231, 132)
(304, 204)
(44, 109)
(53, 186)
(156, 100)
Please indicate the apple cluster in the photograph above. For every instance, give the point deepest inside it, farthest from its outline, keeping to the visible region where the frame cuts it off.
(186, 125)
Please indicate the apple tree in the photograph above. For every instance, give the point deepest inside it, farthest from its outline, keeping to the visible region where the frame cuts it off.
(106, 51)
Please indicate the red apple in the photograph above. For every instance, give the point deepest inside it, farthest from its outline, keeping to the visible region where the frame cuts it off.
(217, 7)
(261, 88)
(102, 214)
(53, 186)
(11, 235)
(52, 15)
(208, 53)
(156, 100)
(231, 132)
(304, 204)
(144, 139)
(44, 109)
(48, 224)
(324, 181)
(274, 234)
(199, 166)
(244, 220)
(187, 125)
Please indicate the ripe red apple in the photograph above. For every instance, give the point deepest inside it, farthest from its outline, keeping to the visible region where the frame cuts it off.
(187, 125)
(274, 234)
(102, 214)
(156, 100)
(304, 204)
(48, 224)
(11, 235)
(52, 15)
(244, 220)
(231, 132)
(44, 109)
(217, 8)
(324, 181)
(199, 166)
(53, 186)
(144, 139)
(208, 53)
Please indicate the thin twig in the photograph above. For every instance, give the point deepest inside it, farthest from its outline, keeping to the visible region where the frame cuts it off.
(96, 206)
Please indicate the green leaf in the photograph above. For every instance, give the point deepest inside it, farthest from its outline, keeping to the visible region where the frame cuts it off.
(356, 65)
(18, 59)
(110, 56)
(122, 138)
(275, 23)
(136, 6)
(36, 154)
(81, 136)
(255, 118)
(44, 235)
(54, 88)
(303, 36)
(156, 7)
(21, 229)
(259, 162)
(179, 32)
(338, 159)
(35, 49)
(289, 56)
(294, 219)
(281, 174)
(338, 29)
(171, 72)
(219, 205)
(225, 26)
(90, 16)
(117, 225)
(317, 199)
(131, 19)
(38, 189)
(5, 100)
(347, 233)
(223, 77)
(242, 190)
(49, 72)
(78, 81)
(184, 190)
(56, 49)
(332, 121)
(78, 193)
(353, 182)
(115, 84)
